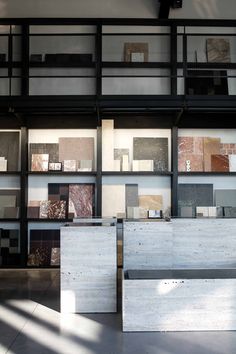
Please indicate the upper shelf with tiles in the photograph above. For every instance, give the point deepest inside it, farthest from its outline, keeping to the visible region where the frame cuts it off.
(207, 151)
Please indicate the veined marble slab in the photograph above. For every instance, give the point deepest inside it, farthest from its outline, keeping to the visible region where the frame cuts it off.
(179, 304)
(113, 200)
(107, 144)
(88, 271)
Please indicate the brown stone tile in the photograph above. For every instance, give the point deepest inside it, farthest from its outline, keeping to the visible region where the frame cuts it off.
(211, 147)
(219, 163)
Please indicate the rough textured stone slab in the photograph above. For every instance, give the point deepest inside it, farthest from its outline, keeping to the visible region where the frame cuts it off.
(88, 271)
(229, 212)
(57, 209)
(81, 200)
(9, 148)
(113, 200)
(155, 149)
(220, 163)
(107, 144)
(43, 209)
(149, 202)
(211, 147)
(50, 149)
(225, 197)
(218, 50)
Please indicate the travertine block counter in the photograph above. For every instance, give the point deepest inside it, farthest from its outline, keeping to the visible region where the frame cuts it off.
(88, 268)
(179, 300)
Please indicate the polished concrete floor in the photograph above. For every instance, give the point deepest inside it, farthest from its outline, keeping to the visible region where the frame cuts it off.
(30, 323)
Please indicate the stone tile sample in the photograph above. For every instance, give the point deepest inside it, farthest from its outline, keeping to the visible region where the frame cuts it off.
(131, 195)
(211, 146)
(218, 50)
(113, 199)
(43, 209)
(147, 245)
(118, 153)
(202, 212)
(69, 165)
(232, 163)
(147, 202)
(227, 149)
(49, 149)
(9, 148)
(55, 166)
(230, 212)
(225, 197)
(125, 163)
(193, 195)
(55, 256)
(89, 270)
(143, 165)
(3, 165)
(135, 51)
(178, 303)
(220, 163)
(76, 149)
(34, 203)
(9, 241)
(187, 212)
(155, 149)
(11, 212)
(85, 165)
(39, 162)
(56, 209)
(81, 199)
(107, 144)
(41, 244)
(33, 212)
(59, 191)
(190, 149)
(6, 201)
(133, 213)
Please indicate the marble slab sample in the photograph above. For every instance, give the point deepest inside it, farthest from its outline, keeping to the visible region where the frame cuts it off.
(225, 197)
(230, 212)
(211, 146)
(56, 209)
(9, 148)
(76, 149)
(113, 200)
(147, 245)
(81, 199)
(193, 195)
(149, 202)
(220, 163)
(190, 149)
(39, 162)
(232, 163)
(178, 304)
(218, 50)
(59, 191)
(41, 244)
(155, 149)
(88, 271)
(7, 199)
(43, 209)
(131, 195)
(107, 144)
(69, 165)
(55, 256)
(40, 148)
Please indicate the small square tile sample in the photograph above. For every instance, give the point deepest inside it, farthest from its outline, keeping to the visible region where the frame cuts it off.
(55, 166)
(55, 256)
(132, 212)
(33, 212)
(76, 149)
(39, 162)
(219, 163)
(146, 165)
(107, 144)
(190, 149)
(59, 191)
(149, 202)
(52, 150)
(230, 212)
(154, 214)
(113, 200)
(43, 209)
(211, 146)
(131, 195)
(85, 165)
(202, 212)
(11, 212)
(69, 165)
(186, 212)
(9, 148)
(135, 165)
(218, 50)
(6, 201)
(57, 209)
(155, 149)
(81, 199)
(118, 153)
(193, 195)
(225, 197)
(232, 163)
(212, 212)
(3, 165)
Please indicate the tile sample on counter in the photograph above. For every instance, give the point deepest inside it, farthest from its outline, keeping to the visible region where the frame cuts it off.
(81, 200)
(113, 200)
(132, 213)
(3, 164)
(41, 244)
(76, 149)
(6, 201)
(220, 163)
(218, 50)
(9, 148)
(187, 212)
(232, 163)
(39, 162)
(56, 209)
(190, 149)
(149, 202)
(225, 197)
(155, 149)
(193, 195)
(230, 212)
(49, 149)
(211, 146)
(107, 144)
(89, 270)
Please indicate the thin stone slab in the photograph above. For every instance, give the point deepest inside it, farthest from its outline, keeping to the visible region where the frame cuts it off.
(9, 148)
(187, 212)
(155, 149)
(113, 200)
(81, 199)
(131, 195)
(211, 146)
(225, 197)
(232, 163)
(229, 212)
(88, 271)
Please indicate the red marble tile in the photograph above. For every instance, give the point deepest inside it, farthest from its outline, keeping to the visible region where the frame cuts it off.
(211, 147)
(81, 199)
(198, 145)
(196, 162)
(220, 163)
(185, 144)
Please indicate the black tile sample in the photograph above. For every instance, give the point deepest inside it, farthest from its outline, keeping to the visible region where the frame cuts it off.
(229, 212)
(207, 82)
(9, 148)
(51, 149)
(155, 149)
(41, 244)
(193, 195)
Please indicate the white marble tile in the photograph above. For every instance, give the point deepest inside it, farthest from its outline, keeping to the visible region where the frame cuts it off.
(88, 269)
(113, 200)
(107, 145)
